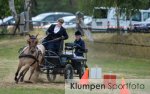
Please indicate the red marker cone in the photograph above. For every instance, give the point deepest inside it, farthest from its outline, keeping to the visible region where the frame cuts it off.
(125, 89)
(85, 77)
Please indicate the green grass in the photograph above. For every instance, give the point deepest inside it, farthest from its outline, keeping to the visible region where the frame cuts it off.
(123, 65)
(9, 54)
(129, 67)
(30, 91)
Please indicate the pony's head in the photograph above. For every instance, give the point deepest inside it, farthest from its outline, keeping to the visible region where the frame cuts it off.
(32, 42)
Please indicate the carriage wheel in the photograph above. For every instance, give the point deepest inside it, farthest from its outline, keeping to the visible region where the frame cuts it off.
(82, 70)
(50, 77)
(68, 72)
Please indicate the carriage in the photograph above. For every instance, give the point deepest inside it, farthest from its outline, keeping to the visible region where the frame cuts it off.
(66, 64)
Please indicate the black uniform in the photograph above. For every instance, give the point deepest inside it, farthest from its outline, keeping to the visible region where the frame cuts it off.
(55, 46)
(80, 47)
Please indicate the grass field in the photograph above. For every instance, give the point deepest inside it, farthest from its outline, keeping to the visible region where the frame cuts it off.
(30, 91)
(109, 57)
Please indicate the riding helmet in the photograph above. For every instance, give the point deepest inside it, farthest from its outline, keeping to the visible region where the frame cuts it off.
(77, 33)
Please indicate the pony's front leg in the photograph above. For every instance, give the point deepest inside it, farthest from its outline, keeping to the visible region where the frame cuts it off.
(17, 72)
(22, 73)
(22, 77)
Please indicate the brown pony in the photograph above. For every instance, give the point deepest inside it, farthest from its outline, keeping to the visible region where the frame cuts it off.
(30, 58)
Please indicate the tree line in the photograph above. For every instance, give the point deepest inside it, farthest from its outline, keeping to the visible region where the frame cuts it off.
(86, 6)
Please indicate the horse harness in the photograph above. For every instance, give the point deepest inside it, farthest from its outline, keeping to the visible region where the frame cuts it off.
(31, 56)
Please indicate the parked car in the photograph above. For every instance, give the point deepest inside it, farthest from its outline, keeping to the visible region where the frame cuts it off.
(148, 23)
(8, 21)
(0, 21)
(47, 18)
(70, 21)
(142, 26)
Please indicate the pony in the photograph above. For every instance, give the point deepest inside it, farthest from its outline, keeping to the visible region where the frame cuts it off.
(31, 57)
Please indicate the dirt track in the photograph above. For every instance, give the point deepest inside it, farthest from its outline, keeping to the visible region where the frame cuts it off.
(8, 79)
(43, 83)
(33, 85)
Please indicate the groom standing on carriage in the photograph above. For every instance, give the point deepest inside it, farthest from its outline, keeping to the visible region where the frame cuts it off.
(58, 34)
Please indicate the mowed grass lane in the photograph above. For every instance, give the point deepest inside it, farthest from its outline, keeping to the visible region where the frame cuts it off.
(31, 91)
(122, 66)
(9, 55)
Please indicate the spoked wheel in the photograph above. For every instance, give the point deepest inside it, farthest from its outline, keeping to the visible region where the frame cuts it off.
(82, 70)
(68, 72)
(50, 77)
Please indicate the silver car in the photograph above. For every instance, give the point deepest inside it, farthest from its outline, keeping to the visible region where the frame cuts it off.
(49, 18)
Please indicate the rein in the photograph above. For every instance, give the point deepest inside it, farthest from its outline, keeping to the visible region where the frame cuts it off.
(51, 40)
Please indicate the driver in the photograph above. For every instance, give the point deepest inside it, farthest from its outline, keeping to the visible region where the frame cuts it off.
(58, 34)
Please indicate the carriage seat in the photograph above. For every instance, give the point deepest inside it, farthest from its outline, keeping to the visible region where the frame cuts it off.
(67, 54)
(79, 59)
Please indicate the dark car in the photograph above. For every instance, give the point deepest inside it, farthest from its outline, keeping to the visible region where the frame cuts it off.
(148, 26)
(142, 26)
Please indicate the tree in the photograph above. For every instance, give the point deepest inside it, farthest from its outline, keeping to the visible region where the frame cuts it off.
(28, 15)
(55, 6)
(14, 14)
(4, 12)
(19, 7)
(4, 9)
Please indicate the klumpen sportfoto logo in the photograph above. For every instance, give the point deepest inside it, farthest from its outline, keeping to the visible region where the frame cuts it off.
(105, 85)
(110, 86)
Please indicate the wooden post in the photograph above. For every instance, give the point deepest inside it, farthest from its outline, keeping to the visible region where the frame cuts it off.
(27, 8)
(22, 28)
(82, 27)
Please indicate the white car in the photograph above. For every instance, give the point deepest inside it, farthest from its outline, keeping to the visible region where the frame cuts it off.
(148, 20)
(70, 21)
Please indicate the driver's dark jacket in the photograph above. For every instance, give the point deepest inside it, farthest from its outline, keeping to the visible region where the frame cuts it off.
(56, 45)
(80, 47)
(51, 35)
